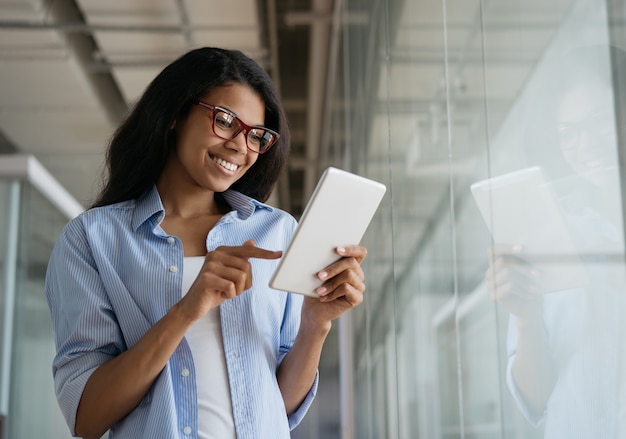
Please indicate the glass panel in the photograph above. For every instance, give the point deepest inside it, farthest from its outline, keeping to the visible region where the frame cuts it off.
(440, 95)
(32, 388)
(5, 302)
(558, 232)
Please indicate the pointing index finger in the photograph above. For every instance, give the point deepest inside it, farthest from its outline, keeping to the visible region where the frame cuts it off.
(249, 251)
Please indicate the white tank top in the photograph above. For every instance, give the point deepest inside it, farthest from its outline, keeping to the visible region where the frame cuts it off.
(215, 413)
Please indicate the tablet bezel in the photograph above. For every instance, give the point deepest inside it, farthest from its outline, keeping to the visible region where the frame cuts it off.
(338, 213)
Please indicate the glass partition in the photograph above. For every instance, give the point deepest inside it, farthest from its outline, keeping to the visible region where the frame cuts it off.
(33, 344)
(495, 271)
(30, 222)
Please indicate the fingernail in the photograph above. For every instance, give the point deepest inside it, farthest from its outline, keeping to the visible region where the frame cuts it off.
(341, 250)
(320, 290)
(322, 275)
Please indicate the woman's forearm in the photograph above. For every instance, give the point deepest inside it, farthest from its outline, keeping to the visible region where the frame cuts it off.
(533, 370)
(297, 370)
(119, 385)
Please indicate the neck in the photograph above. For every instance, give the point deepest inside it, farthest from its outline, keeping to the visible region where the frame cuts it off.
(187, 200)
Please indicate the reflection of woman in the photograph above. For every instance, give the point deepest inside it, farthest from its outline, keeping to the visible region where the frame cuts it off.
(164, 323)
(565, 347)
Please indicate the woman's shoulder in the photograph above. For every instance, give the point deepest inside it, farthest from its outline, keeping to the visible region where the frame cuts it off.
(101, 216)
(108, 212)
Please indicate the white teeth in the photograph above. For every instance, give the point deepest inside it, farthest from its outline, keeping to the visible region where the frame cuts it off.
(225, 164)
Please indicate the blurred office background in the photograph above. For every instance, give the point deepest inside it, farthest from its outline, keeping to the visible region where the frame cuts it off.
(426, 96)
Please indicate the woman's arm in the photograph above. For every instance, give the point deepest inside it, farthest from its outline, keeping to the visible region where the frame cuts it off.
(299, 367)
(517, 285)
(532, 369)
(343, 290)
(119, 385)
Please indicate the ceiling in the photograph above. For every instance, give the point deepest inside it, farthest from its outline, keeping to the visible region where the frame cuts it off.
(70, 69)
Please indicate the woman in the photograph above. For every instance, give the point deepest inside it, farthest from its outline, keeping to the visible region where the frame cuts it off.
(165, 326)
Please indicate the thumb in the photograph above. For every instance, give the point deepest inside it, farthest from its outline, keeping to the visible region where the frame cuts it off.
(249, 243)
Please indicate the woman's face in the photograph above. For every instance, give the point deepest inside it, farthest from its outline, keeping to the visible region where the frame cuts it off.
(586, 124)
(210, 161)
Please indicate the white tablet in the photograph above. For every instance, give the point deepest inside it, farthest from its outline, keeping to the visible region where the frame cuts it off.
(337, 214)
(520, 209)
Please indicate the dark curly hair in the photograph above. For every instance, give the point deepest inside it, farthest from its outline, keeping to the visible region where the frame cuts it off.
(140, 147)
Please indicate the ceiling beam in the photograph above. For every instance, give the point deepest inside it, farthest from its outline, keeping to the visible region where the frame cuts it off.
(81, 27)
(82, 48)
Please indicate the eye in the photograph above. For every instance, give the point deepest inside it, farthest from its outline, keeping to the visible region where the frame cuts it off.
(256, 136)
(602, 122)
(224, 120)
(567, 133)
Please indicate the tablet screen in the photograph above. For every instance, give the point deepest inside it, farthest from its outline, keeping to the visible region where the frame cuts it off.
(337, 214)
(520, 210)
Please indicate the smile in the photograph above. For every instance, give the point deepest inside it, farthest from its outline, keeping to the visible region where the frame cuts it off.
(224, 164)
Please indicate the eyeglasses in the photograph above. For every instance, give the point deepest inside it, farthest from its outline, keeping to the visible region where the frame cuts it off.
(227, 125)
(599, 123)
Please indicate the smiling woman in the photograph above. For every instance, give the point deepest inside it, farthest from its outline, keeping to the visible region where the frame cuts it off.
(142, 144)
(205, 160)
(163, 318)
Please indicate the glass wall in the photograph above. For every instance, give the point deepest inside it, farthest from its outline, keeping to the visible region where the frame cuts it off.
(495, 271)
(29, 226)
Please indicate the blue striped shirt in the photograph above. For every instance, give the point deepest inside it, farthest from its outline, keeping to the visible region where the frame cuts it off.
(114, 273)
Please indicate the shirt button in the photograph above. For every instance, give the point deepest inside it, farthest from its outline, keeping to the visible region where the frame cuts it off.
(170, 240)
(173, 268)
(185, 372)
(187, 430)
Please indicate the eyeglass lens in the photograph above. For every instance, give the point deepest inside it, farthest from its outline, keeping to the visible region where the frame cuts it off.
(228, 126)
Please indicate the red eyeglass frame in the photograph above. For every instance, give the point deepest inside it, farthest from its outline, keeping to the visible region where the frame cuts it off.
(244, 127)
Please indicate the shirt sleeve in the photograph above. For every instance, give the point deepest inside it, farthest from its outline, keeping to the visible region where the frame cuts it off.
(535, 419)
(289, 330)
(85, 328)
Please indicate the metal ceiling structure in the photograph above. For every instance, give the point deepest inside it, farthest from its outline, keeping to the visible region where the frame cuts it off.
(70, 69)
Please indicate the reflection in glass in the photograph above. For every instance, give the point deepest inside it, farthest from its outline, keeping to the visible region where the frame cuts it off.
(565, 341)
(440, 95)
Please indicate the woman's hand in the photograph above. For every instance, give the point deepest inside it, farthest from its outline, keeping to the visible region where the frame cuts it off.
(515, 283)
(225, 274)
(342, 289)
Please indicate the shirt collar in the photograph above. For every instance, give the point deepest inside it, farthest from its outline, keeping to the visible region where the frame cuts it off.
(244, 205)
(149, 206)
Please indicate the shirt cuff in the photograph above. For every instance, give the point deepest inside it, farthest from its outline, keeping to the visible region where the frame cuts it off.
(533, 418)
(296, 417)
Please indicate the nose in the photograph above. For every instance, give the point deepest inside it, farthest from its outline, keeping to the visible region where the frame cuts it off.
(239, 142)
